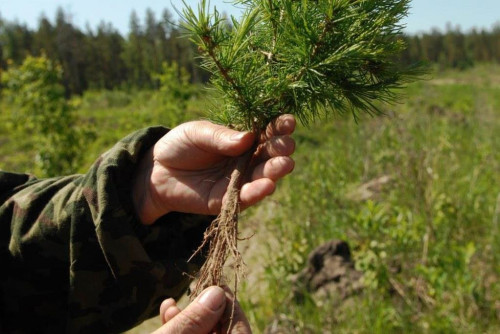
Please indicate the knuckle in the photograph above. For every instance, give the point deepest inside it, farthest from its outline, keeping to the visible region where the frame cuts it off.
(189, 322)
(282, 145)
(218, 135)
(194, 127)
(214, 205)
(187, 130)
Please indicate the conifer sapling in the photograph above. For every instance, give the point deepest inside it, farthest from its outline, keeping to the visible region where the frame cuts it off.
(308, 58)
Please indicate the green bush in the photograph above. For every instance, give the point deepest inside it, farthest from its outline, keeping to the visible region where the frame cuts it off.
(40, 111)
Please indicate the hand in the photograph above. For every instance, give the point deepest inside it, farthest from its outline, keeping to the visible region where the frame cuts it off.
(188, 170)
(210, 312)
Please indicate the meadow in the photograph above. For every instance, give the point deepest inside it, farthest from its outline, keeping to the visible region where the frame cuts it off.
(426, 239)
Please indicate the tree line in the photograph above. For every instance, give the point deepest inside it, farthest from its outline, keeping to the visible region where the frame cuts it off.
(454, 48)
(101, 58)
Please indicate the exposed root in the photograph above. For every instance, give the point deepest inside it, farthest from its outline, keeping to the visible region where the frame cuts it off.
(222, 235)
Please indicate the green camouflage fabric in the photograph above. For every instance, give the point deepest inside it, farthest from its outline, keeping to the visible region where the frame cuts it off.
(75, 257)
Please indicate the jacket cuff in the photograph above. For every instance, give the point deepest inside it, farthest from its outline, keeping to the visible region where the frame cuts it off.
(110, 201)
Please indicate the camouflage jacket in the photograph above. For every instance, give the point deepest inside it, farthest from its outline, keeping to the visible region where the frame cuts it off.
(75, 257)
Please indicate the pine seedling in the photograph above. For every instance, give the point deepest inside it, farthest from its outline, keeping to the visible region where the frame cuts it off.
(309, 58)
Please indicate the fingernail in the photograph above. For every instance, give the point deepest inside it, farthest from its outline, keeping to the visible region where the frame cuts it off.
(213, 298)
(238, 136)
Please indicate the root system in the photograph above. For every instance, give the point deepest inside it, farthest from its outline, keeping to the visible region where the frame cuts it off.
(222, 235)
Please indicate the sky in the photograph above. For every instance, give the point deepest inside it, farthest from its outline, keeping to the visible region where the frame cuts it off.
(424, 14)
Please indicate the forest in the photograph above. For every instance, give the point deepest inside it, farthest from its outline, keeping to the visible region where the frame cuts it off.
(101, 58)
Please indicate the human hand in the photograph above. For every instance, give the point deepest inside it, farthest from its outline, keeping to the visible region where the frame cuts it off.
(210, 312)
(188, 170)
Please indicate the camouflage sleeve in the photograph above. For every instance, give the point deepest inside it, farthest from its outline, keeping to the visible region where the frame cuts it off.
(75, 257)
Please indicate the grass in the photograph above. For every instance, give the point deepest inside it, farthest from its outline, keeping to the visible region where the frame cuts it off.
(427, 241)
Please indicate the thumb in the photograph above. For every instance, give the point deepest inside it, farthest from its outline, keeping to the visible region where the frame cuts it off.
(199, 317)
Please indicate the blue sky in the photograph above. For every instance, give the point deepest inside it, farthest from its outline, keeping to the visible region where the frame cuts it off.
(424, 14)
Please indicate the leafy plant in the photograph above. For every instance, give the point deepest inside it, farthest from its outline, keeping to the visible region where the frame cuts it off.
(43, 113)
(307, 58)
(174, 92)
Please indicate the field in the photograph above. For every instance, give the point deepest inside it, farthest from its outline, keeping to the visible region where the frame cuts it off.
(415, 193)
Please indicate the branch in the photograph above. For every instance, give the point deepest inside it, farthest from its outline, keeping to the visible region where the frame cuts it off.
(314, 51)
(224, 71)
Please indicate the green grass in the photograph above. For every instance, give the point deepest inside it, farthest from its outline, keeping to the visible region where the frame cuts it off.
(428, 242)
(432, 232)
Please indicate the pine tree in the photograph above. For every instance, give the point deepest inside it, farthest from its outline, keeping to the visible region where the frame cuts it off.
(45, 39)
(165, 27)
(16, 40)
(152, 63)
(307, 58)
(105, 67)
(69, 42)
(133, 55)
(2, 60)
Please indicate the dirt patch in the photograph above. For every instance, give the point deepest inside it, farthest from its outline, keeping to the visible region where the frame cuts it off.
(329, 276)
(329, 273)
